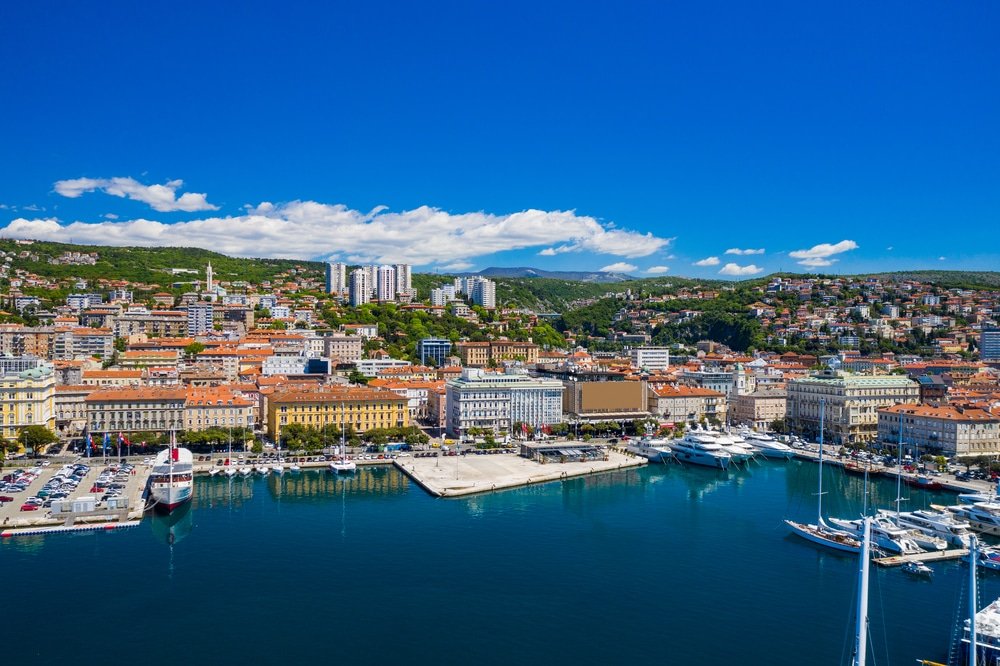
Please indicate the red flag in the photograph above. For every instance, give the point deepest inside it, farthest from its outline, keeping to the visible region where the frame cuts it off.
(175, 454)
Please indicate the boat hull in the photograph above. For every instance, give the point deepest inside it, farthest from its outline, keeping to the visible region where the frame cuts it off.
(703, 459)
(169, 499)
(832, 540)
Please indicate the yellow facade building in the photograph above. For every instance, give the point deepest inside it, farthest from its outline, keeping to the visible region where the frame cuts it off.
(360, 408)
(27, 398)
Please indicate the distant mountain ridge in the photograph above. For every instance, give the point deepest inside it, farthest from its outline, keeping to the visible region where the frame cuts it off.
(528, 272)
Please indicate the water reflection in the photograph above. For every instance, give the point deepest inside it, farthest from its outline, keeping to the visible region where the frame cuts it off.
(173, 527)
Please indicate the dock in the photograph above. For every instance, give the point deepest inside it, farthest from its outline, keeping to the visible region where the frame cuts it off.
(934, 556)
(458, 476)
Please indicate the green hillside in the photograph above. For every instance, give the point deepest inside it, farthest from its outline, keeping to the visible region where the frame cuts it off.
(151, 265)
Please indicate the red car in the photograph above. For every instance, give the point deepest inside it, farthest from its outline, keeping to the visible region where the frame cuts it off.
(29, 507)
(5, 498)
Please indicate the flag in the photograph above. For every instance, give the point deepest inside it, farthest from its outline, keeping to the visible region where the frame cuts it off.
(174, 453)
(107, 442)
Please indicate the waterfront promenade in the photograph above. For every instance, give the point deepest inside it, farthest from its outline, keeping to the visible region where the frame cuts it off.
(457, 476)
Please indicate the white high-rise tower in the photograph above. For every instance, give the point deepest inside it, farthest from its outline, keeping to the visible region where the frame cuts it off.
(208, 278)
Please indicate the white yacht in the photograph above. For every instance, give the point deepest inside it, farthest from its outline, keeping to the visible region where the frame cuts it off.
(263, 469)
(246, 470)
(653, 450)
(940, 524)
(294, 468)
(768, 446)
(735, 446)
(983, 516)
(230, 470)
(885, 534)
(343, 465)
(278, 468)
(215, 471)
(700, 449)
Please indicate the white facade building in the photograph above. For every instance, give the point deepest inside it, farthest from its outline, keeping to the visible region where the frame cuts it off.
(199, 318)
(361, 292)
(480, 399)
(654, 359)
(385, 287)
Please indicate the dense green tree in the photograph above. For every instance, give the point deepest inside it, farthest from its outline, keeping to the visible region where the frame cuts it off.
(35, 438)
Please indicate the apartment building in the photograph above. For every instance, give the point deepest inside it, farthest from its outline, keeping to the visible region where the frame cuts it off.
(136, 409)
(945, 429)
(496, 401)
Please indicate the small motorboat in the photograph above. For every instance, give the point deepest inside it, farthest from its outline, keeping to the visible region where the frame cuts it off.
(918, 569)
(215, 471)
(294, 468)
(246, 471)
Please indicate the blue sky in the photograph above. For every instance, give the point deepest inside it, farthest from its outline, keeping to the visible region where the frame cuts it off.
(558, 135)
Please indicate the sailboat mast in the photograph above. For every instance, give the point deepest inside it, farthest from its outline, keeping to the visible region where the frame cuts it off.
(819, 494)
(973, 594)
(899, 469)
(861, 635)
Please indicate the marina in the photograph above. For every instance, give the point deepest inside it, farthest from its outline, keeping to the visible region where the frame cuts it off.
(501, 546)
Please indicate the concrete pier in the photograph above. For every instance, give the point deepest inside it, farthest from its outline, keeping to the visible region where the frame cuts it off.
(933, 556)
(457, 476)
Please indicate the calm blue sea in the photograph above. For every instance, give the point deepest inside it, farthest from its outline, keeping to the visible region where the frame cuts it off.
(664, 564)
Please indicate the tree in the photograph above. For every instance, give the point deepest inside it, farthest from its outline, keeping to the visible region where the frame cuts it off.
(778, 425)
(5, 446)
(36, 437)
(194, 349)
(356, 377)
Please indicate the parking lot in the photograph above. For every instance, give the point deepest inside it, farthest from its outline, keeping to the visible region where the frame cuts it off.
(28, 493)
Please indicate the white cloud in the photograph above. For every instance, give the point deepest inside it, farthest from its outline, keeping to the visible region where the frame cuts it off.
(819, 255)
(162, 198)
(34, 208)
(942, 258)
(457, 266)
(889, 248)
(6, 207)
(707, 261)
(736, 250)
(736, 269)
(619, 267)
(657, 270)
(111, 216)
(307, 230)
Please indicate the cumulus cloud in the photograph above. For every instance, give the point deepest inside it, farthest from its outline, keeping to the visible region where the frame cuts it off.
(707, 261)
(457, 266)
(619, 267)
(816, 261)
(657, 270)
(308, 230)
(162, 198)
(942, 258)
(820, 255)
(736, 250)
(737, 270)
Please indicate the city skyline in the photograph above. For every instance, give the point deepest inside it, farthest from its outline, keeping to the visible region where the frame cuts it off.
(705, 142)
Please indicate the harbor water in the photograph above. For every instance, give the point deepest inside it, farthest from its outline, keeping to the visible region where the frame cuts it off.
(663, 564)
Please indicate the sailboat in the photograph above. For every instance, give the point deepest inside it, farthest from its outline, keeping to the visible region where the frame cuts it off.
(278, 466)
(230, 467)
(343, 465)
(822, 533)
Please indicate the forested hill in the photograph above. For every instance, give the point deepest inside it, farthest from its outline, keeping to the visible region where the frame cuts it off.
(150, 265)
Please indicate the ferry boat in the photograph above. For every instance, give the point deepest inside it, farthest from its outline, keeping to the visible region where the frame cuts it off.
(701, 449)
(172, 480)
(653, 450)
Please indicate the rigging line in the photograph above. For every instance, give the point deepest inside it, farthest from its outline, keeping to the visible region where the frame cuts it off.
(881, 604)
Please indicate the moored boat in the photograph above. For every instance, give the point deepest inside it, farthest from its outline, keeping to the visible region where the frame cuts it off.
(983, 516)
(172, 480)
(768, 446)
(653, 450)
(700, 449)
(918, 569)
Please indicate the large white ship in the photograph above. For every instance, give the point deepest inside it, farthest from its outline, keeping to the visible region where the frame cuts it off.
(172, 480)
